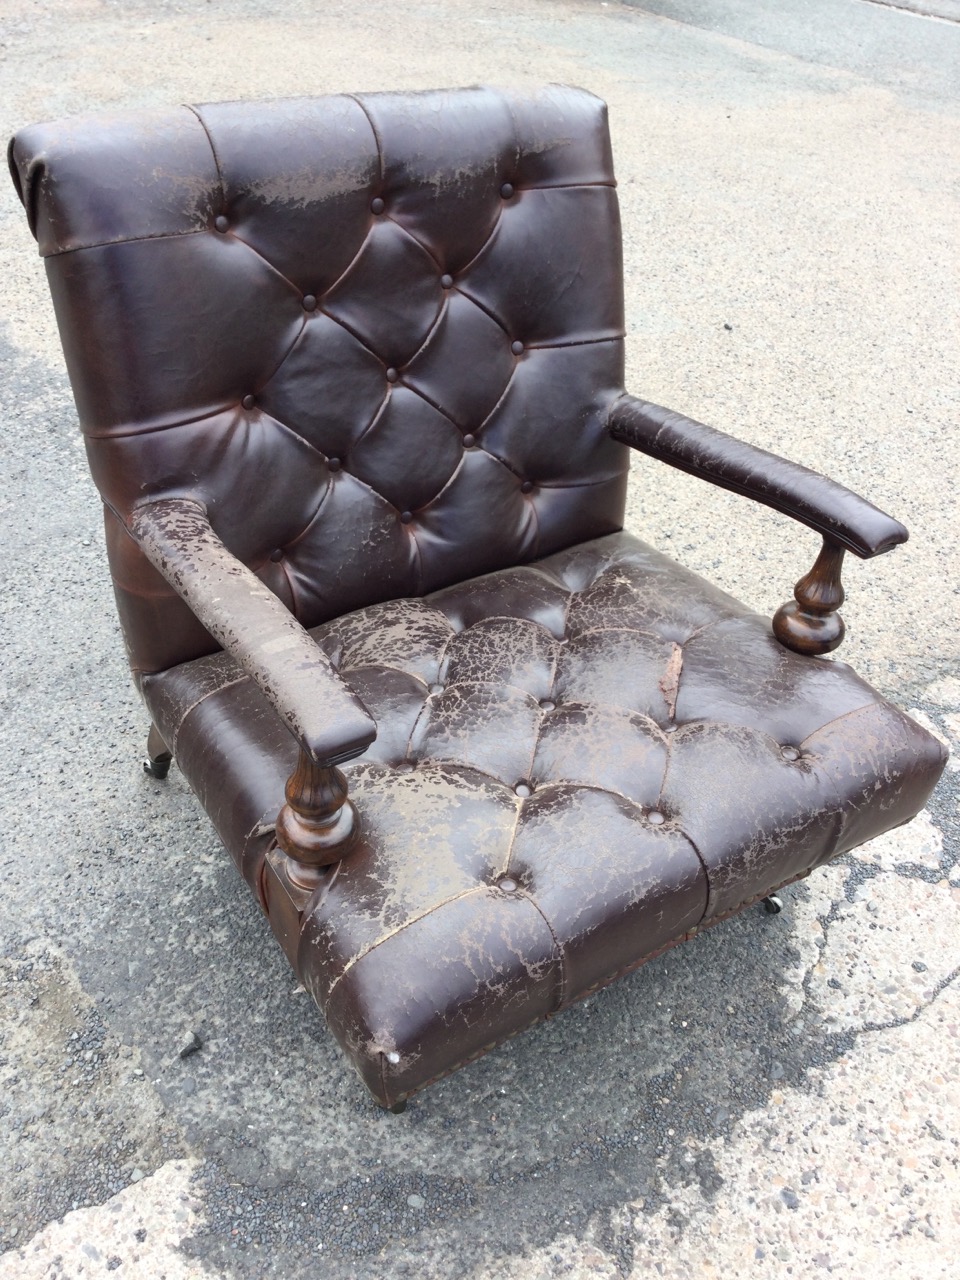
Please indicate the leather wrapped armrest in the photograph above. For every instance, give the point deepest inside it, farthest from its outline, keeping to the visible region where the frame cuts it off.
(840, 515)
(256, 629)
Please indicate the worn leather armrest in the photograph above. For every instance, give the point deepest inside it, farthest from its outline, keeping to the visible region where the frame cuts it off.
(836, 512)
(256, 629)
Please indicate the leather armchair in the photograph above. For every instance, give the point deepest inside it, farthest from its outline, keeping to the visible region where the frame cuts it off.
(350, 374)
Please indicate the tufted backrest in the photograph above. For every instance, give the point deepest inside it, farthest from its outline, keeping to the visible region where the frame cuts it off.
(375, 335)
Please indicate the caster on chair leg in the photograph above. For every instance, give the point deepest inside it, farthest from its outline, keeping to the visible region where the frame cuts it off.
(157, 762)
(157, 768)
(773, 905)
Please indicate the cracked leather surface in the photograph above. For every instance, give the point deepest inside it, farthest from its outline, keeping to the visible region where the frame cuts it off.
(577, 763)
(406, 308)
(377, 339)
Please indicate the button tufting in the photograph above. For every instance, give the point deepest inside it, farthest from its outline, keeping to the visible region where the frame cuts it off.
(309, 302)
(527, 486)
(249, 401)
(392, 375)
(277, 555)
(516, 348)
(469, 441)
(446, 281)
(393, 1057)
(656, 818)
(377, 205)
(523, 789)
(436, 688)
(671, 728)
(507, 190)
(547, 704)
(334, 464)
(507, 884)
(221, 222)
(790, 753)
(406, 517)
(404, 766)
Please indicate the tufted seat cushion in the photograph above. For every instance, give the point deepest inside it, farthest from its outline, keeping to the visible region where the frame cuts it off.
(579, 762)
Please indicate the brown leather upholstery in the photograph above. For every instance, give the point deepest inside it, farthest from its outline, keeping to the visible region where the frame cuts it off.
(366, 354)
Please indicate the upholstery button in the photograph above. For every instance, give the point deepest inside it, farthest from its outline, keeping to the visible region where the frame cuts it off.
(404, 766)
(656, 818)
(221, 222)
(377, 205)
(392, 1057)
(392, 375)
(516, 348)
(277, 555)
(671, 728)
(523, 789)
(406, 517)
(507, 884)
(527, 486)
(507, 190)
(469, 441)
(790, 753)
(547, 704)
(248, 401)
(436, 688)
(309, 302)
(334, 464)
(446, 281)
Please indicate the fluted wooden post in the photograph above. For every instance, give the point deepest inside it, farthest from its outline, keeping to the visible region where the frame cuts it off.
(318, 825)
(809, 623)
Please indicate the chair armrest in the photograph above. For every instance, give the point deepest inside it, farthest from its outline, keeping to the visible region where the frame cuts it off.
(840, 515)
(256, 629)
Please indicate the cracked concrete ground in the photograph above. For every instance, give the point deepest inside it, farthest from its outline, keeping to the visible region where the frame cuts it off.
(780, 1095)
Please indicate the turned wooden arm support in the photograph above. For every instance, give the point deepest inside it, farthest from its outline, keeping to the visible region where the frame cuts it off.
(809, 624)
(332, 725)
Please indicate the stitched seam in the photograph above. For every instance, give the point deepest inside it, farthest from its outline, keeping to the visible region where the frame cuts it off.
(211, 693)
(361, 955)
(603, 982)
(213, 150)
(376, 134)
(561, 954)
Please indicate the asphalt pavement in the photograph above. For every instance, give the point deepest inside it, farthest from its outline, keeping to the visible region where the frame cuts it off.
(779, 1096)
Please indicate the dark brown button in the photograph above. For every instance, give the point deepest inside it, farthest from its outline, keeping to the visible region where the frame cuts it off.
(276, 555)
(516, 348)
(523, 789)
(790, 753)
(507, 884)
(469, 441)
(309, 302)
(656, 818)
(547, 704)
(377, 205)
(406, 517)
(221, 222)
(334, 464)
(248, 401)
(507, 190)
(527, 486)
(446, 281)
(392, 375)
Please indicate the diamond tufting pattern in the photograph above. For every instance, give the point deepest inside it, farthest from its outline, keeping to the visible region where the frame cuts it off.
(370, 348)
(578, 762)
(418, 343)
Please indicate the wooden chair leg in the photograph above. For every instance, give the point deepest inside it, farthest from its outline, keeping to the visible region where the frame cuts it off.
(157, 763)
